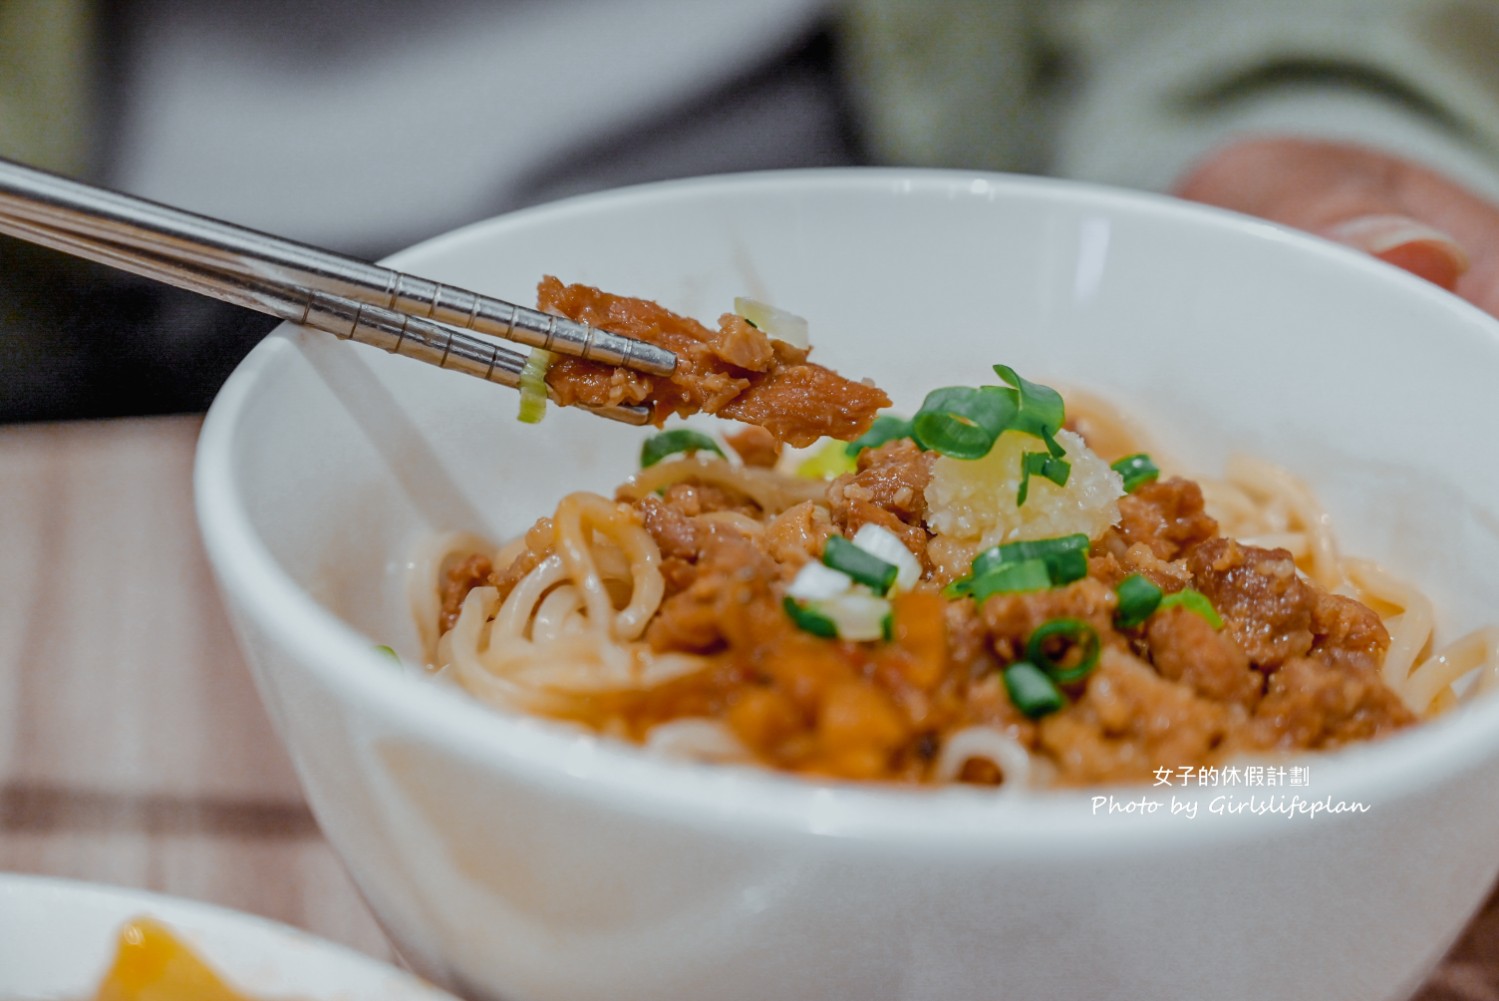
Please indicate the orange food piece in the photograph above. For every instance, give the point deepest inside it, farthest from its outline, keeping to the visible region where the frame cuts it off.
(763, 718)
(152, 964)
(855, 715)
(920, 635)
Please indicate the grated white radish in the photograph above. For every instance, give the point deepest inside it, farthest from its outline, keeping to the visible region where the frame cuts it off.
(973, 501)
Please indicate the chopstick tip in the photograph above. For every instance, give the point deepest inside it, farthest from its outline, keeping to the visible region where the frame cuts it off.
(654, 359)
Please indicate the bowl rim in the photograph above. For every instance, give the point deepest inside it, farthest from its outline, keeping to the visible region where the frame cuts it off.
(744, 798)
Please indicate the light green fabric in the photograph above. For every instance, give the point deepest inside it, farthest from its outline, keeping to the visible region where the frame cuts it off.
(1131, 91)
(47, 79)
(948, 82)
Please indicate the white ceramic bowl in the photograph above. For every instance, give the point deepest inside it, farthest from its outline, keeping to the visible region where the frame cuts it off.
(57, 938)
(510, 859)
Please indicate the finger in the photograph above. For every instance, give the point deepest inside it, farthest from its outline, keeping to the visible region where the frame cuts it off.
(1395, 210)
(1406, 243)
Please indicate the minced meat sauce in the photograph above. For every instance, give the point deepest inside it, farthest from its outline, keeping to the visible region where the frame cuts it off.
(735, 372)
(1293, 667)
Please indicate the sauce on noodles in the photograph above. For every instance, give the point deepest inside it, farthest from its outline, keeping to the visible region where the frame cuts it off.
(692, 612)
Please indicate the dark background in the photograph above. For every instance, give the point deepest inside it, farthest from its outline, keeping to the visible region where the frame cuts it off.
(80, 340)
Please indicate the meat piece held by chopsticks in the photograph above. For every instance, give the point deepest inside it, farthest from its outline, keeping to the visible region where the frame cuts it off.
(736, 371)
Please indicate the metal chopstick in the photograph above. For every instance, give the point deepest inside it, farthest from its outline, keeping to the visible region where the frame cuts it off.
(397, 333)
(39, 198)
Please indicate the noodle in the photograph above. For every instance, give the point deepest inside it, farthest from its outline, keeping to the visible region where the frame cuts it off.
(1409, 619)
(425, 571)
(1276, 506)
(582, 521)
(771, 491)
(1262, 504)
(987, 744)
(698, 739)
(583, 633)
(1478, 650)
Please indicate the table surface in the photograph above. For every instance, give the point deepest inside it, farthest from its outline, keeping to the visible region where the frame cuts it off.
(133, 748)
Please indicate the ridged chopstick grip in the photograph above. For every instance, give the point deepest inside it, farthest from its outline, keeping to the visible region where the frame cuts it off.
(433, 343)
(461, 308)
(43, 199)
(344, 318)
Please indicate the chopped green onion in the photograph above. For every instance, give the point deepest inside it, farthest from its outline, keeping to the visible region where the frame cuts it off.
(777, 323)
(962, 421)
(826, 602)
(887, 627)
(1039, 410)
(814, 582)
(1073, 634)
(864, 567)
(887, 546)
(1041, 464)
(809, 619)
(389, 652)
(830, 461)
(1138, 600)
(886, 427)
(1194, 601)
(1010, 578)
(659, 446)
(533, 386)
(856, 616)
(1137, 470)
(1032, 692)
(1066, 556)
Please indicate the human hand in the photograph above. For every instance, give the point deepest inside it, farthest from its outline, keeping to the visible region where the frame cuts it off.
(1402, 213)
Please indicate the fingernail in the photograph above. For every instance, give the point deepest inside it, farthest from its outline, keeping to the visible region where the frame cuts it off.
(1402, 241)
